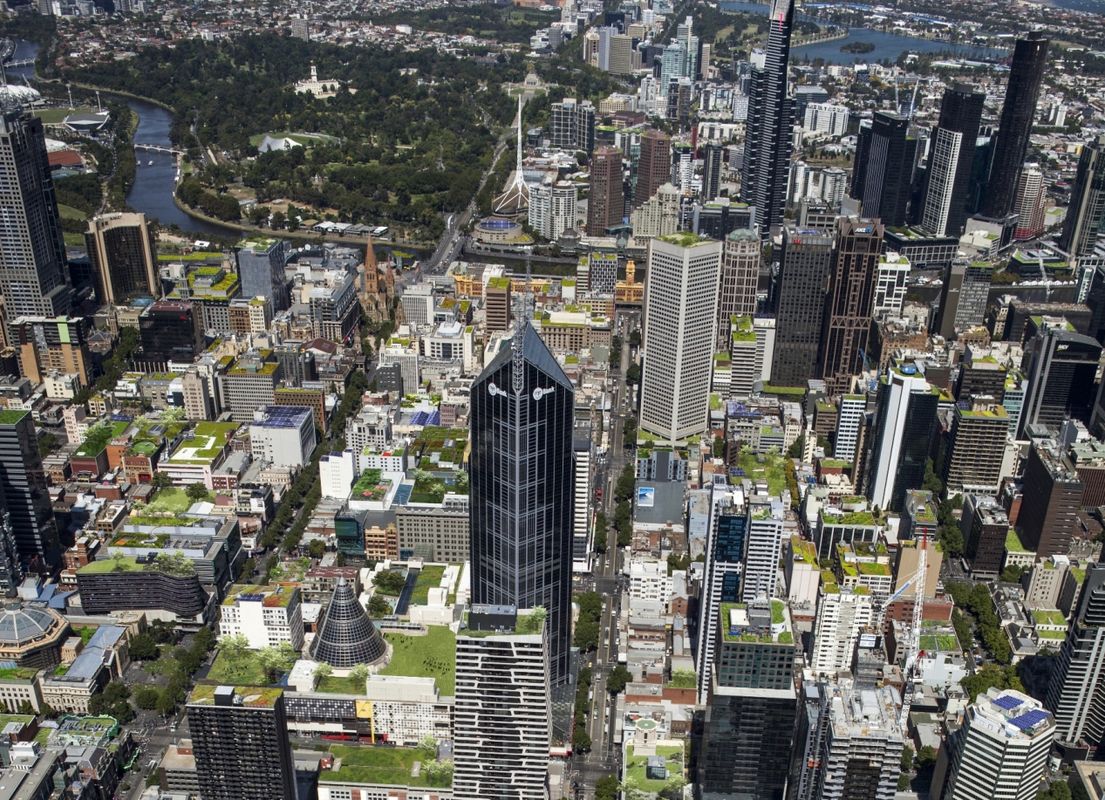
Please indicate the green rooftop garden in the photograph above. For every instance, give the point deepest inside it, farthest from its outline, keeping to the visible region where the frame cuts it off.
(873, 568)
(1051, 634)
(172, 500)
(1079, 574)
(684, 239)
(778, 612)
(370, 486)
(850, 518)
(390, 766)
(16, 674)
(98, 437)
(683, 679)
(940, 643)
(786, 391)
(769, 467)
(429, 488)
(430, 656)
(276, 596)
(10, 416)
(429, 578)
(252, 696)
(636, 773)
(198, 255)
(1013, 542)
(332, 684)
(1049, 616)
(175, 564)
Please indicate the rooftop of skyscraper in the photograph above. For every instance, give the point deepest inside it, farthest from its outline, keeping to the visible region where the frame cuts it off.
(235, 696)
(761, 621)
(1011, 714)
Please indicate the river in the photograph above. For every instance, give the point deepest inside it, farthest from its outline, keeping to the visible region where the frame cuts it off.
(888, 46)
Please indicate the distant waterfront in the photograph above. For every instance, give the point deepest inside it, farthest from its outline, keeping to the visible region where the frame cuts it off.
(888, 46)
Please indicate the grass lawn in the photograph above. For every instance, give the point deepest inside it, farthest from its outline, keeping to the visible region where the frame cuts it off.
(385, 765)
(635, 774)
(173, 501)
(332, 684)
(940, 643)
(68, 212)
(73, 239)
(431, 656)
(53, 116)
(769, 467)
(245, 671)
(428, 578)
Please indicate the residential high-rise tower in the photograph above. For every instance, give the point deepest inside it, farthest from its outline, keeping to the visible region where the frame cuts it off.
(606, 205)
(740, 276)
(653, 165)
(951, 158)
(1086, 214)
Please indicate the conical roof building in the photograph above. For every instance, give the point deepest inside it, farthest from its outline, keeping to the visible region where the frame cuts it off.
(347, 636)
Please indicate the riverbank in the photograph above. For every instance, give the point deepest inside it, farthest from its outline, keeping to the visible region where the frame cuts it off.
(828, 37)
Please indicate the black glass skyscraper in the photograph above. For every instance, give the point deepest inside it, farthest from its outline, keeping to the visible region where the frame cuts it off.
(521, 488)
(806, 260)
(1025, 76)
(770, 124)
(23, 486)
(882, 177)
(1086, 215)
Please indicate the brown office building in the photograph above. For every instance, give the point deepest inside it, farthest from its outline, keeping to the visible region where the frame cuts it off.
(496, 305)
(45, 344)
(653, 165)
(1051, 497)
(977, 448)
(606, 204)
(848, 304)
(124, 258)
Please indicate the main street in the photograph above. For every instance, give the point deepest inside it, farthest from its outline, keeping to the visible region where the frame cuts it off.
(604, 757)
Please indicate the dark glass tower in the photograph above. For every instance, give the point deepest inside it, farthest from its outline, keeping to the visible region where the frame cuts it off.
(770, 125)
(1061, 369)
(806, 259)
(521, 488)
(882, 179)
(33, 275)
(1086, 215)
(23, 486)
(960, 113)
(1023, 90)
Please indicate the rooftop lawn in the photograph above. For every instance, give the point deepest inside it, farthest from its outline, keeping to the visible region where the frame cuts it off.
(369, 486)
(332, 684)
(98, 437)
(1013, 542)
(635, 768)
(172, 501)
(198, 255)
(431, 656)
(940, 642)
(16, 674)
(10, 416)
(1049, 616)
(252, 696)
(246, 669)
(428, 578)
(392, 766)
(769, 467)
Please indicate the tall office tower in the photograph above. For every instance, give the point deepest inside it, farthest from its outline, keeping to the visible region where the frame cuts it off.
(763, 548)
(1086, 215)
(725, 534)
(963, 297)
(521, 488)
(572, 125)
(740, 276)
(653, 165)
(882, 176)
(903, 436)
(502, 709)
(1076, 692)
(240, 741)
(33, 274)
(680, 318)
(748, 731)
(951, 159)
(496, 304)
(606, 204)
(685, 36)
(11, 571)
(848, 306)
(1061, 369)
(169, 330)
(1051, 499)
(1000, 750)
(849, 421)
(977, 449)
(124, 258)
(841, 617)
(713, 164)
(861, 746)
(985, 528)
(770, 123)
(1028, 202)
(1017, 112)
(806, 260)
(24, 489)
(552, 208)
(261, 263)
(891, 285)
(979, 378)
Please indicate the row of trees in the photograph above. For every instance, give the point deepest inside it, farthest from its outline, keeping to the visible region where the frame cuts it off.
(173, 666)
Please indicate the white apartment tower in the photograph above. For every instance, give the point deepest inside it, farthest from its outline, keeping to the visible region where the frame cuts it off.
(724, 566)
(943, 163)
(841, 616)
(266, 616)
(502, 710)
(763, 548)
(680, 325)
(861, 753)
(552, 208)
(849, 421)
(1001, 750)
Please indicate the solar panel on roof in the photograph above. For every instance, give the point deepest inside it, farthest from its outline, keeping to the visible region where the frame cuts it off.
(1030, 719)
(1008, 702)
